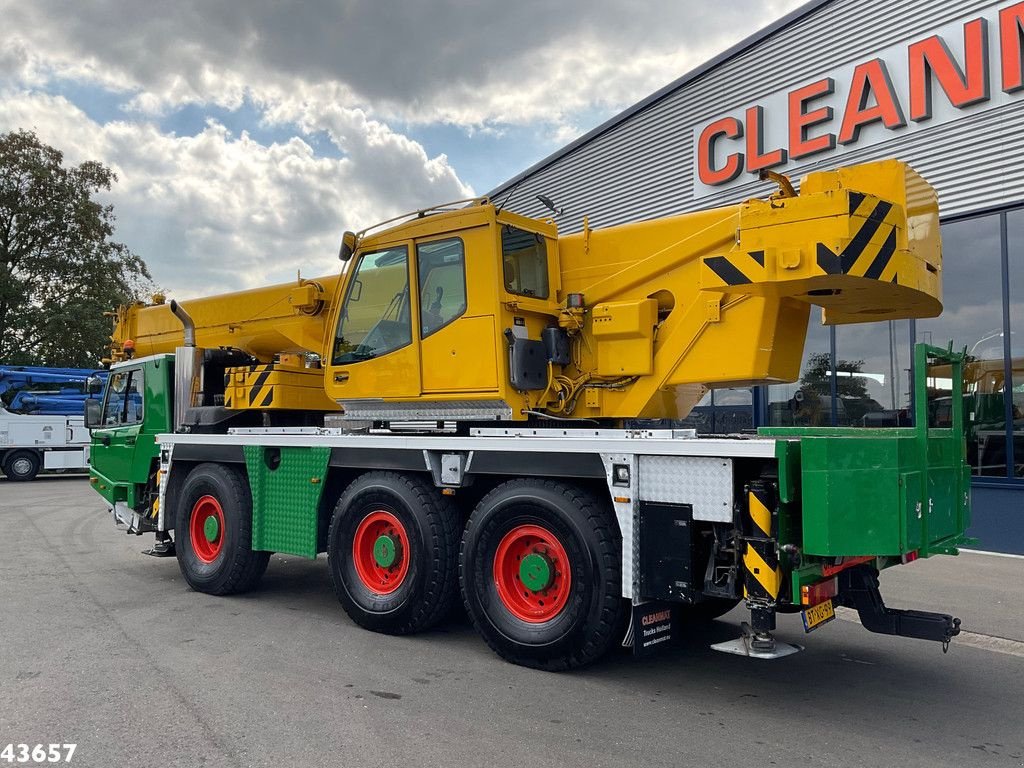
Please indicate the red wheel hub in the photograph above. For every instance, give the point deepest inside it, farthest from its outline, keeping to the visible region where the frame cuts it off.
(380, 552)
(532, 573)
(206, 528)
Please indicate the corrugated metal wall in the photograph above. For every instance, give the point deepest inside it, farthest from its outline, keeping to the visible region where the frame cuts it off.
(643, 167)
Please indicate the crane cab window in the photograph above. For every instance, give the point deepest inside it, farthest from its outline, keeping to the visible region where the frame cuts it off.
(442, 272)
(124, 399)
(375, 318)
(524, 259)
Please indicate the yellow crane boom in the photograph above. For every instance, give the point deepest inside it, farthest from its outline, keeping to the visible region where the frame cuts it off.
(289, 318)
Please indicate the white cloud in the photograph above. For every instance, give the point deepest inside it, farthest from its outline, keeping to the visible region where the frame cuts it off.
(215, 212)
(218, 211)
(457, 61)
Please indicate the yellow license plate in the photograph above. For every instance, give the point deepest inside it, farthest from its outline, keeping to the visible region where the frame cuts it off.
(816, 615)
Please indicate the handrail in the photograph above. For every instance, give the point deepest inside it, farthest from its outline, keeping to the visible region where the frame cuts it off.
(442, 207)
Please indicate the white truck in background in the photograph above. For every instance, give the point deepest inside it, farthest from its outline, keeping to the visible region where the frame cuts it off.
(30, 442)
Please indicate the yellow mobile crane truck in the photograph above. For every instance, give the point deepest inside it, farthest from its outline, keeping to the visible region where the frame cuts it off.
(461, 410)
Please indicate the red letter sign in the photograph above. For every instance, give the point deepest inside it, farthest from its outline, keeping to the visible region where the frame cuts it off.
(756, 156)
(1011, 38)
(931, 56)
(730, 128)
(870, 79)
(800, 120)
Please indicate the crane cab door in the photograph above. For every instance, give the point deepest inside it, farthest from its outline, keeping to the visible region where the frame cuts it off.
(457, 304)
(373, 355)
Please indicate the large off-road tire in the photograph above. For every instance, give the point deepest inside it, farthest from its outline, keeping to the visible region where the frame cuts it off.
(392, 550)
(21, 466)
(541, 574)
(213, 528)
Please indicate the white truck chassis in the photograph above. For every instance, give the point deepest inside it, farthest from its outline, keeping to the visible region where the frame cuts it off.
(660, 465)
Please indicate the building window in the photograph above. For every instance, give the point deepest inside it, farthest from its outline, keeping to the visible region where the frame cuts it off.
(807, 402)
(972, 317)
(721, 412)
(701, 418)
(734, 410)
(873, 381)
(1015, 257)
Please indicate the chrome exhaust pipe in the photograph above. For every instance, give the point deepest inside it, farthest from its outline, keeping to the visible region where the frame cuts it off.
(186, 320)
(188, 369)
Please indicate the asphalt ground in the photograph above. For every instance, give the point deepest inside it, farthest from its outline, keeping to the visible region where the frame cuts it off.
(108, 649)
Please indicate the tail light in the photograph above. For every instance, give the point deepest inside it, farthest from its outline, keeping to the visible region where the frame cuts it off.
(812, 594)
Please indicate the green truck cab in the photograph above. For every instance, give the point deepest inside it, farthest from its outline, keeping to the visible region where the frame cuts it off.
(135, 409)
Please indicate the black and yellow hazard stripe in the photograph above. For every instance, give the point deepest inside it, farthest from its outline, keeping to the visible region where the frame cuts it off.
(871, 249)
(250, 387)
(268, 397)
(762, 575)
(261, 395)
(741, 268)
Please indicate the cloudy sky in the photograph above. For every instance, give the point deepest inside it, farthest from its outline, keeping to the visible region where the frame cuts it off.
(248, 135)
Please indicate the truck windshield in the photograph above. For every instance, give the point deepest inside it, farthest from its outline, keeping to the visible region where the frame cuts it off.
(375, 318)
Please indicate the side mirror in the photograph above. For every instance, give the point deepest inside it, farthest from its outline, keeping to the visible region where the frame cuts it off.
(94, 385)
(93, 413)
(348, 246)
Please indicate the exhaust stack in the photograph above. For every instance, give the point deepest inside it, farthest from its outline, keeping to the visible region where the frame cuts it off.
(186, 320)
(188, 369)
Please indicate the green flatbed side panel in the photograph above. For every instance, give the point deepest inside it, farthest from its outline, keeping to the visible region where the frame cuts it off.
(787, 454)
(878, 492)
(943, 516)
(852, 496)
(286, 485)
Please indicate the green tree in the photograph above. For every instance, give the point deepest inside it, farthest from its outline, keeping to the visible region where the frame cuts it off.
(59, 268)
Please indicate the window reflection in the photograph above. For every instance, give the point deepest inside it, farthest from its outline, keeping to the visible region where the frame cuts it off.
(721, 412)
(734, 410)
(972, 317)
(1015, 238)
(873, 374)
(806, 402)
(701, 418)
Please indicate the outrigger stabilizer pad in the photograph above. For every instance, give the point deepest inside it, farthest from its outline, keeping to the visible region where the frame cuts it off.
(164, 546)
(757, 645)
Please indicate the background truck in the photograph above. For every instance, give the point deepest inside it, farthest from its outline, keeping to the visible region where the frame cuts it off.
(41, 423)
(449, 416)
